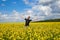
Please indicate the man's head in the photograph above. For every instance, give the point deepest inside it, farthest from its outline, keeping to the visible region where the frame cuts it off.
(28, 17)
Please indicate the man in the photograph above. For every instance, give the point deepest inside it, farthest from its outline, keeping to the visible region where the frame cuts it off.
(27, 21)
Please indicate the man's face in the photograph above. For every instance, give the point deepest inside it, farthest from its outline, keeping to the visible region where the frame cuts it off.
(28, 17)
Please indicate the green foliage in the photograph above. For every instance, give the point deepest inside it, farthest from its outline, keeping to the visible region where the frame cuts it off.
(50, 20)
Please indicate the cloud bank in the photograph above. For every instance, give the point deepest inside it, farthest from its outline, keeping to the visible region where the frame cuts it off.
(48, 8)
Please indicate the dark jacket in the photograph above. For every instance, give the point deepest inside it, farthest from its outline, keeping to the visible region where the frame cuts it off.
(27, 21)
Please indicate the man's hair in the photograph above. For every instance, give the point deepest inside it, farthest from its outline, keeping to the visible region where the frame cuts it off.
(28, 17)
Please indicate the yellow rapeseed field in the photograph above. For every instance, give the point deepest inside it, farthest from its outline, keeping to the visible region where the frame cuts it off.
(36, 31)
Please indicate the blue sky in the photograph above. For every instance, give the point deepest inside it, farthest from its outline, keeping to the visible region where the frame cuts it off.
(9, 5)
(17, 10)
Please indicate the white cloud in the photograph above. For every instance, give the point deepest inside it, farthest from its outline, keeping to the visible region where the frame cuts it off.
(26, 1)
(15, 13)
(43, 9)
(55, 6)
(31, 2)
(58, 3)
(4, 16)
(37, 2)
(58, 14)
(38, 18)
(0, 13)
(15, 16)
(44, 1)
(14, 2)
(40, 7)
(29, 12)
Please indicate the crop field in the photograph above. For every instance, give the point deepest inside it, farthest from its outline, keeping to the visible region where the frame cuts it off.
(36, 31)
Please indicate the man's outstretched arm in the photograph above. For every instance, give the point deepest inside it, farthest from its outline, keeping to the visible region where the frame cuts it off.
(22, 16)
(35, 19)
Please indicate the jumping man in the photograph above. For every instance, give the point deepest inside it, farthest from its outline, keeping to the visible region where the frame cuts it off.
(27, 21)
